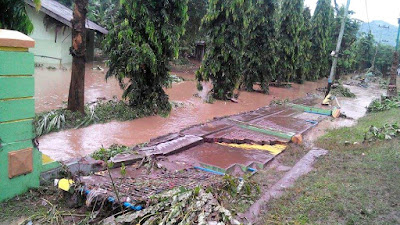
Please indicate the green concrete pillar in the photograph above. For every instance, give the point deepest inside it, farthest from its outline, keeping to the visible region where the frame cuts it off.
(20, 161)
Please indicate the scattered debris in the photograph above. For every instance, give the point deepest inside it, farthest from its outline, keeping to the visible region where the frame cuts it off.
(384, 104)
(39, 65)
(107, 153)
(51, 68)
(387, 132)
(341, 91)
(98, 68)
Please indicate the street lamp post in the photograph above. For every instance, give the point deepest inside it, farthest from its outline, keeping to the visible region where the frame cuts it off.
(392, 88)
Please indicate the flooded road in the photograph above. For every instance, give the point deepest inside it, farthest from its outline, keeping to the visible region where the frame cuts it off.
(80, 142)
(52, 86)
(353, 108)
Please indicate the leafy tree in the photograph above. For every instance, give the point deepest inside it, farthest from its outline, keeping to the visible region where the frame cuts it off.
(290, 53)
(261, 44)
(196, 11)
(222, 63)
(346, 60)
(305, 43)
(144, 39)
(13, 16)
(365, 50)
(384, 57)
(321, 38)
(103, 12)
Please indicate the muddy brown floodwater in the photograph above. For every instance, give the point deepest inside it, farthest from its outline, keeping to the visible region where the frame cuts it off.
(52, 90)
(52, 86)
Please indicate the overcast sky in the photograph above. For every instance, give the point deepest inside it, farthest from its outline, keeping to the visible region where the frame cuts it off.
(386, 10)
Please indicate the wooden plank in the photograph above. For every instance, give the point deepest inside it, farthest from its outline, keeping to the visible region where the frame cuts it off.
(16, 63)
(16, 87)
(17, 109)
(12, 38)
(309, 109)
(16, 131)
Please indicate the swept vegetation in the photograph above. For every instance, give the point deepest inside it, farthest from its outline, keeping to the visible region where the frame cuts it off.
(100, 112)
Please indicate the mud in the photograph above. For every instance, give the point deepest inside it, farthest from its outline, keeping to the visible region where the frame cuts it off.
(81, 142)
(220, 156)
(301, 168)
(353, 108)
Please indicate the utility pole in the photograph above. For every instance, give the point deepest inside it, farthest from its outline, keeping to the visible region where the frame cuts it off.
(338, 45)
(392, 88)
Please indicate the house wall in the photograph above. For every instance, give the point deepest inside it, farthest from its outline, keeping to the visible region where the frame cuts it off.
(46, 43)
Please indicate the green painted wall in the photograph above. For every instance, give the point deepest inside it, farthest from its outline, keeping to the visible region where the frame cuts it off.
(16, 129)
(16, 109)
(18, 185)
(16, 86)
(16, 63)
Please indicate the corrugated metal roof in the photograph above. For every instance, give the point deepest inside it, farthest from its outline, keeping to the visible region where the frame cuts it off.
(63, 14)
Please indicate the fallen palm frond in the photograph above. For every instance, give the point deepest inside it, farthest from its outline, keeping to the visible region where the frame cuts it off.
(54, 120)
(98, 112)
(181, 206)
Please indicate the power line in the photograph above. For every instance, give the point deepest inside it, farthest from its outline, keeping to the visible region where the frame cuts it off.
(366, 10)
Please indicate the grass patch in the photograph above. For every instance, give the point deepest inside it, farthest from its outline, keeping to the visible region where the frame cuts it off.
(99, 112)
(354, 184)
(107, 153)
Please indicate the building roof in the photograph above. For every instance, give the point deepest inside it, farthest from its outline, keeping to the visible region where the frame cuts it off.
(63, 14)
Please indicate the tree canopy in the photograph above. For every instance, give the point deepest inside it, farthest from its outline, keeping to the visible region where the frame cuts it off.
(13, 16)
(260, 65)
(222, 64)
(321, 37)
(144, 39)
(291, 29)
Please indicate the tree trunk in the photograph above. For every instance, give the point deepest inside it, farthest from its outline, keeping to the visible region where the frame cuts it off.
(76, 95)
(392, 89)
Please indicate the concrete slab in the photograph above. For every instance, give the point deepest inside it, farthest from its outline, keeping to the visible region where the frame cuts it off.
(239, 135)
(173, 146)
(284, 124)
(220, 156)
(208, 128)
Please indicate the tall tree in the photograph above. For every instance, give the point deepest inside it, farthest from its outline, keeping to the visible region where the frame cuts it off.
(304, 72)
(261, 44)
(222, 64)
(290, 54)
(145, 38)
(13, 15)
(321, 38)
(76, 97)
(365, 50)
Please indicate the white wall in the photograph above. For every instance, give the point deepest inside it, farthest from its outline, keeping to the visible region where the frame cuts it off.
(45, 43)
